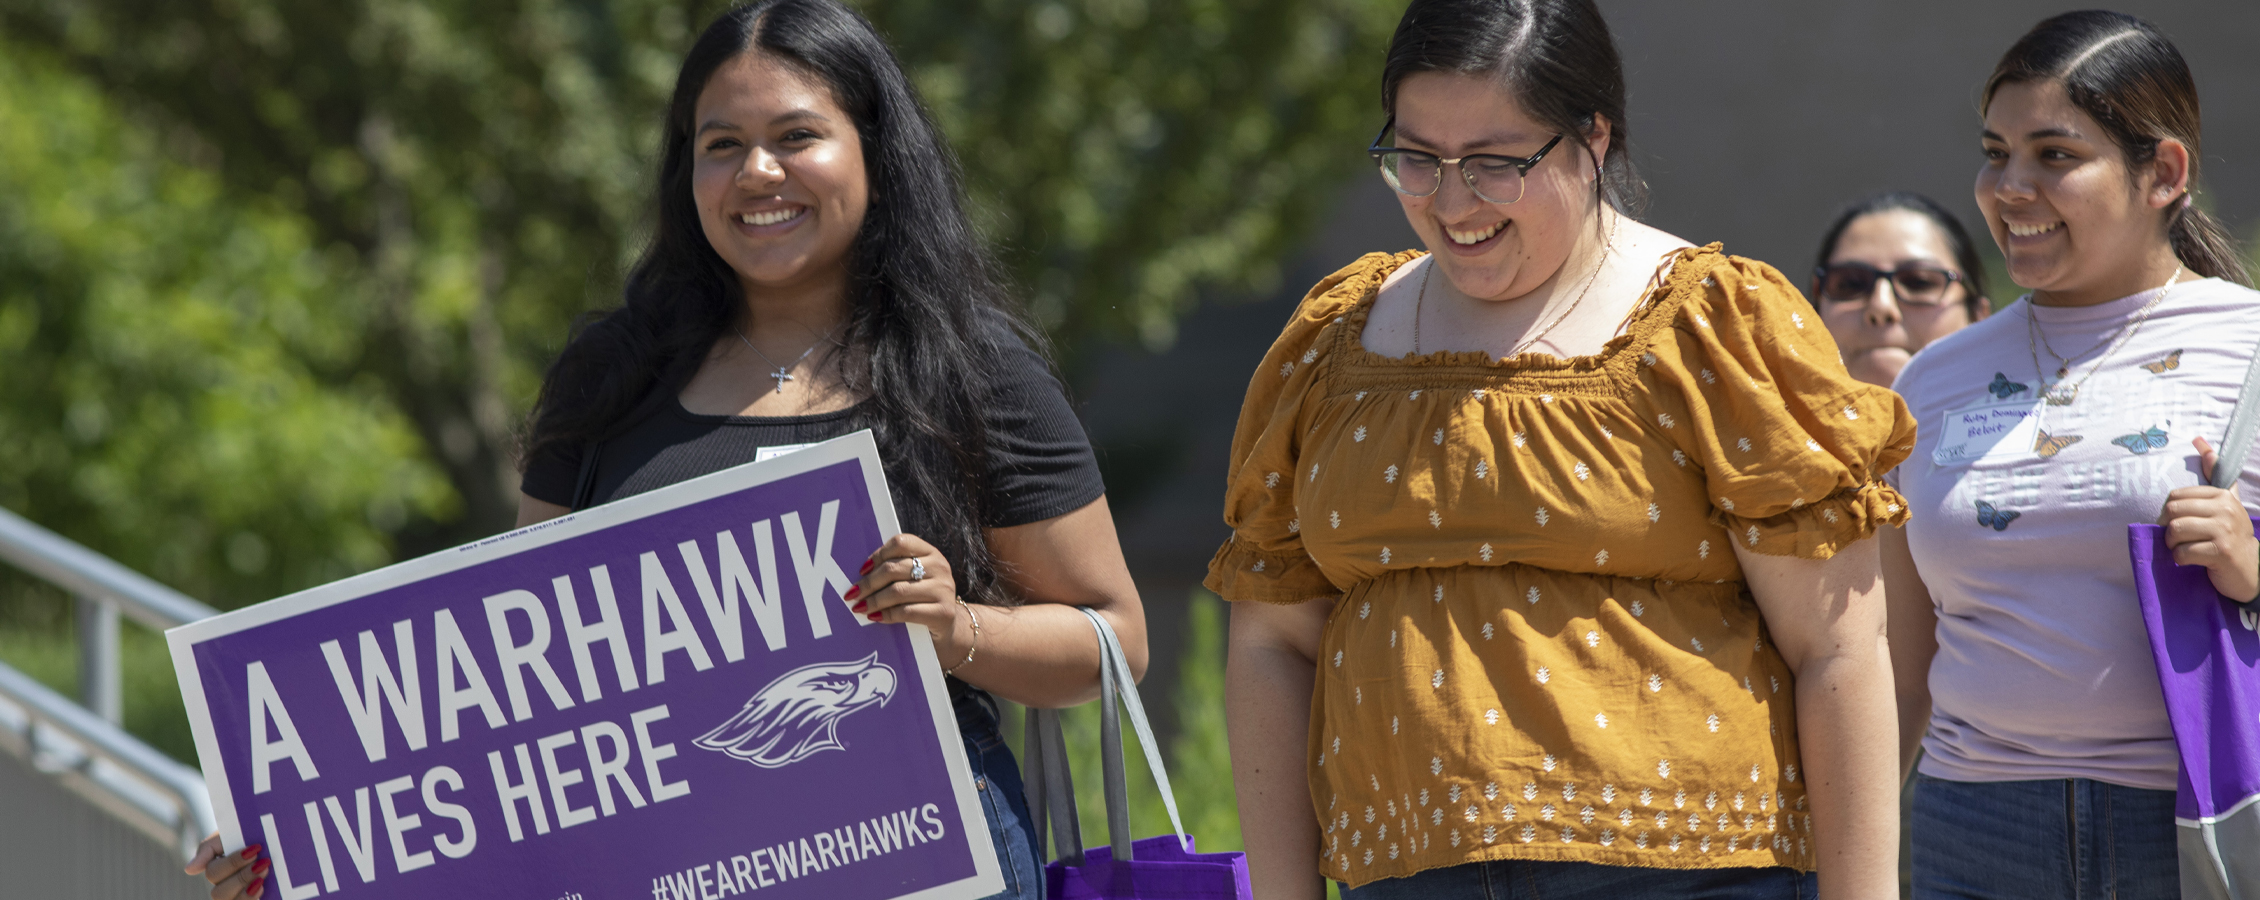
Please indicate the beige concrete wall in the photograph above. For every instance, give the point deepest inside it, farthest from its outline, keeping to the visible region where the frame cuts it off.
(1756, 120)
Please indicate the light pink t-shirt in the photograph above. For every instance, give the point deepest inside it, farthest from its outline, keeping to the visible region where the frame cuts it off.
(2020, 511)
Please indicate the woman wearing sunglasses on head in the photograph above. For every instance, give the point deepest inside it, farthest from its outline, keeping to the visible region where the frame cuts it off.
(1896, 272)
(2049, 767)
(1550, 543)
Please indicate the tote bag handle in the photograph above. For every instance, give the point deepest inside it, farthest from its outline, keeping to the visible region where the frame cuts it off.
(2244, 425)
(1051, 787)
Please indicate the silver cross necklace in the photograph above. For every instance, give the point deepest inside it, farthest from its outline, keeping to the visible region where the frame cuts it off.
(784, 373)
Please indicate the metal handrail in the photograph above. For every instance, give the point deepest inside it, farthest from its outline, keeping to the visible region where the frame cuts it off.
(82, 746)
(101, 762)
(91, 575)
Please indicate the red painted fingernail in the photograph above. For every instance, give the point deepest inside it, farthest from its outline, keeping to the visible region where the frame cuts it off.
(853, 592)
(859, 608)
(249, 852)
(258, 885)
(867, 564)
(260, 867)
(873, 617)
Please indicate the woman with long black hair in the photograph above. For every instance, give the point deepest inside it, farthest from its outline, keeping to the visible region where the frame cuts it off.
(2049, 766)
(813, 273)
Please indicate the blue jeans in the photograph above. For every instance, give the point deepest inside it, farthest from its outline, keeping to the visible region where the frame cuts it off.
(1517, 879)
(996, 777)
(2062, 838)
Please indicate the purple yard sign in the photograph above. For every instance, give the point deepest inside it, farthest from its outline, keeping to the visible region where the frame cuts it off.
(660, 697)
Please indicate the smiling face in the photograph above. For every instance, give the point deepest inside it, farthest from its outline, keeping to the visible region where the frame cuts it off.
(779, 177)
(1493, 251)
(2066, 209)
(1877, 333)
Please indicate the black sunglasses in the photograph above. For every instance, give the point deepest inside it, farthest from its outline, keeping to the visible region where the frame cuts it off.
(1912, 284)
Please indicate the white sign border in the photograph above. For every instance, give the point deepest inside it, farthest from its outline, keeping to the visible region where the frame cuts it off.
(859, 447)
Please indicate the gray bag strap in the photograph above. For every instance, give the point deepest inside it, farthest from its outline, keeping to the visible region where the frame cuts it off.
(1051, 790)
(1051, 786)
(2244, 425)
(1114, 778)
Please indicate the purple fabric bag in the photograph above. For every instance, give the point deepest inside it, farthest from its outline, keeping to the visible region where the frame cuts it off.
(1157, 868)
(1161, 870)
(2207, 649)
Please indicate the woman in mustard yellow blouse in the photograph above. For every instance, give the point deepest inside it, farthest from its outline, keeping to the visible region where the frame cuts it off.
(1551, 544)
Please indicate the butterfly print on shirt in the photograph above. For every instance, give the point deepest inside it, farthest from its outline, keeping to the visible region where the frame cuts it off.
(2048, 445)
(1989, 516)
(2142, 442)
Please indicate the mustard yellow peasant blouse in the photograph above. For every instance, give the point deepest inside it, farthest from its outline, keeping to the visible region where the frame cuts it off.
(1541, 645)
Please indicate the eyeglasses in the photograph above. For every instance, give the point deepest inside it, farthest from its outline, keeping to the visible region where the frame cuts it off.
(1494, 177)
(1913, 284)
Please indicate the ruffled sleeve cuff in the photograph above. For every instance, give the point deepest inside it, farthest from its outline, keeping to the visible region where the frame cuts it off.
(1241, 572)
(1820, 529)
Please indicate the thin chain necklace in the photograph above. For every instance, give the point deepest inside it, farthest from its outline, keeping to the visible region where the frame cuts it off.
(2056, 393)
(1541, 335)
(784, 373)
(1420, 300)
(1606, 249)
(2065, 362)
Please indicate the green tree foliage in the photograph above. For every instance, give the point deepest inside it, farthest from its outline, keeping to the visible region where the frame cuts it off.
(1126, 152)
(454, 181)
(162, 357)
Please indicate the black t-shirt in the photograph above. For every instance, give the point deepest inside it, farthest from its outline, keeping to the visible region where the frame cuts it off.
(1040, 463)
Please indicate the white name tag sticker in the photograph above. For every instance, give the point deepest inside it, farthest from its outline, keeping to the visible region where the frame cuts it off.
(765, 454)
(1986, 430)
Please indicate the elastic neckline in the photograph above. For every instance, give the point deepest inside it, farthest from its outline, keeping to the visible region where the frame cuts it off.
(675, 406)
(1616, 362)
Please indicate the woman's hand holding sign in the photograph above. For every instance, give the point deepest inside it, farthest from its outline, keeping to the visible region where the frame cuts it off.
(2209, 526)
(908, 580)
(1037, 651)
(232, 875)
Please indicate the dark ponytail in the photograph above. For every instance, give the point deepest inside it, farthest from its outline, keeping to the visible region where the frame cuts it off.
(2205, 245)
(2125, 74)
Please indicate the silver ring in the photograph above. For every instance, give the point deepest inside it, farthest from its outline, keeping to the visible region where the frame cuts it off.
(917, 569)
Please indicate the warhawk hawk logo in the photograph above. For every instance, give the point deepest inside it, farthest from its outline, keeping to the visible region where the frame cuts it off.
(798, 715)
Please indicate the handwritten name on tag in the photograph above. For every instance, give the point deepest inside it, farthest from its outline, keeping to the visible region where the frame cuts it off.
(1985, 430)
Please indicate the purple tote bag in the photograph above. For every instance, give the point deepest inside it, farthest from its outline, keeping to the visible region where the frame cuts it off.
(2207, 649)
(2208, 655)
(1157, 868)
(1162, 870)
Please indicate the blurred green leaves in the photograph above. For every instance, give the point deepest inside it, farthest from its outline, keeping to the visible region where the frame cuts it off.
(161, 343)
(1126, 152)
(281, 276)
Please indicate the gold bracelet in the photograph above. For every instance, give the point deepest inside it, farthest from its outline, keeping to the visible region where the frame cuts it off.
(972, 645)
